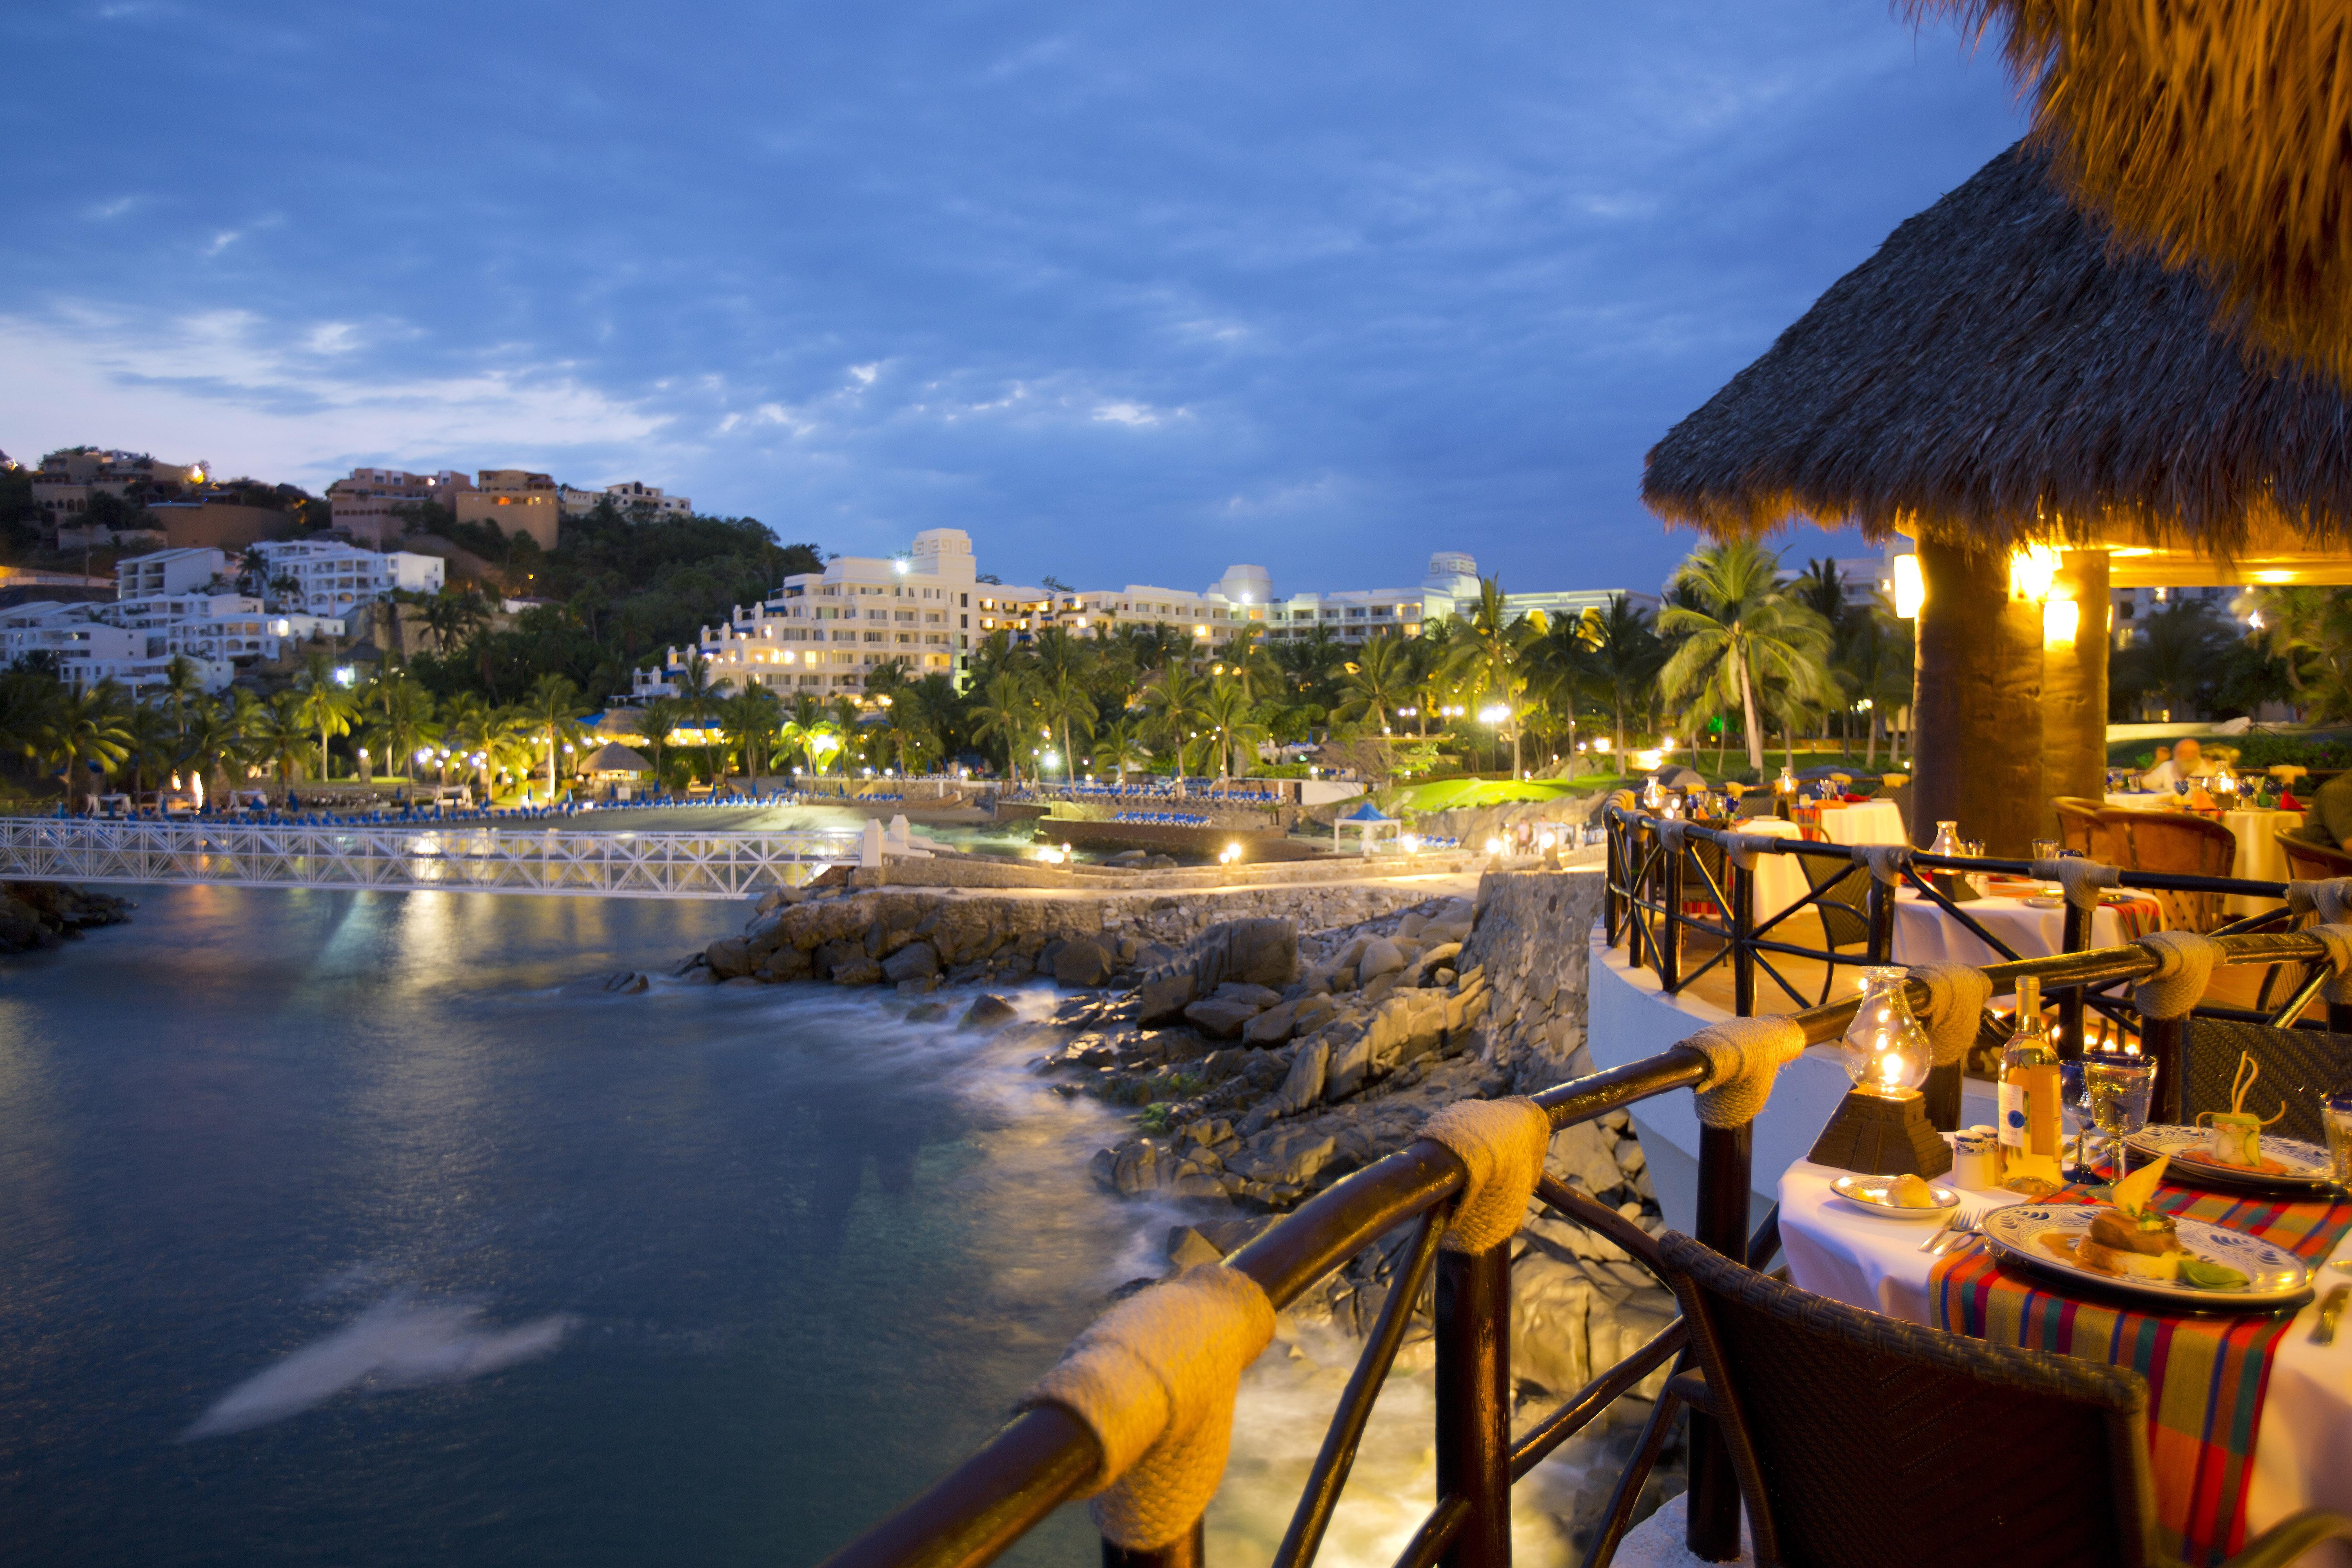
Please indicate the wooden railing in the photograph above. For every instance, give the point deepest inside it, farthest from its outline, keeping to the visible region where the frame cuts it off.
(1044, 1456)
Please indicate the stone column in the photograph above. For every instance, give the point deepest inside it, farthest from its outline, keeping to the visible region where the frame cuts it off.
(1975, 710)
(2074, 688)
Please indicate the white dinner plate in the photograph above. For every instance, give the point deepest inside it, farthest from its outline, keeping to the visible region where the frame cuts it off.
(2043, 1234)
(1870, 1193)
(2304, 1165)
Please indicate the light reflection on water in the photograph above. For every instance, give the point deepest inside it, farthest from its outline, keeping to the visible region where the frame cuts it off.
(329, 1230)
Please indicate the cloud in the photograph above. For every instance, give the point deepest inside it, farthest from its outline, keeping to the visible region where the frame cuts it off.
(286, 402)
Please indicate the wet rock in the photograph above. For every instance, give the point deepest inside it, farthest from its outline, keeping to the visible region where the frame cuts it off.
(729, 956)
(1303, 1016)
(1303, 1085)
(1188, 1248)
(1284, 1156)
(1580, 1157)
(915, 960)
(1164, 998)
(987, 1011)
(1081, 963)
(926, 1012)
(1258, 996)
(786, 964)
(1220, 1018)
(628, 983)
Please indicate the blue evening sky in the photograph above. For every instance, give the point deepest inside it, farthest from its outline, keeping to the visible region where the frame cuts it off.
(1129, 292)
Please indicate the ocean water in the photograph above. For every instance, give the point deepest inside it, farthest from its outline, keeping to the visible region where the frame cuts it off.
(334, 1230)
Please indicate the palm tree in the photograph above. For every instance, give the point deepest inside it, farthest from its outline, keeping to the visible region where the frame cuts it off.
(2289, 622)
(1873, 663)
(280, 733)
(1379, 681)
(1121, 746)
(1748, 631)
(1224, 714)
(452, 616)
(152, 746)
(2176, 653)
(407, 710)
(180, 682)
(86, 726)
(212, 740)
(1172, 705)
(751, 720)
(1064, 704)
(1624, 656)
(697, 695)
(656, 722)
(1489, 643)
(328, 706)
(1007, 714)
(553, 710)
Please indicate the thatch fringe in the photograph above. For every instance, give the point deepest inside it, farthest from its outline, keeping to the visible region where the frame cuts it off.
(1998, 372)
(2216, 132)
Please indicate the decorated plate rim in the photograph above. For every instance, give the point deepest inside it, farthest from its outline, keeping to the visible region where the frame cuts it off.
(2162, 1138)
(2201, 1234)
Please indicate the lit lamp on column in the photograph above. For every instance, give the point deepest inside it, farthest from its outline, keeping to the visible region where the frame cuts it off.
(1881, 1126)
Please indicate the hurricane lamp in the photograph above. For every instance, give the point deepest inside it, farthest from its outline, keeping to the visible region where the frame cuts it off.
(1880, 1127)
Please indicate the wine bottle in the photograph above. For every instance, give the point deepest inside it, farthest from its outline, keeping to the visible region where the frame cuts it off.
(2032, 1136)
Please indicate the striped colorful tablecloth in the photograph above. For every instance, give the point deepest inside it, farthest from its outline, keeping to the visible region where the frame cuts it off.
(2206, 1375)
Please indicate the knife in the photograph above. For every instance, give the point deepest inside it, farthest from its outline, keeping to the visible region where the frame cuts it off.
(2324, 1332)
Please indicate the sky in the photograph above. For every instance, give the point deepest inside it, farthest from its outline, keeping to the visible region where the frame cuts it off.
(1130, 292)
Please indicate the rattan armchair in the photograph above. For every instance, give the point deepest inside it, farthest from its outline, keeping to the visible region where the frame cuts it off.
(1860, 1440)
(2089, 825)
(2189, 846)
(2314, 862)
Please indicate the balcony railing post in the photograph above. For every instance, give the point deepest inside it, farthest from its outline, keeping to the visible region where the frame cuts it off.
(1188, 1552)
(1474, 1401)
(2165, 1041)
(1743, 937)
(2076, 938)
(1670, 923)
(1725, 1155)
(1612, 877)
(1879, 904)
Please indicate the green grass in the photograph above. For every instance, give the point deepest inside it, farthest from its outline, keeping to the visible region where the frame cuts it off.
(1459, 795)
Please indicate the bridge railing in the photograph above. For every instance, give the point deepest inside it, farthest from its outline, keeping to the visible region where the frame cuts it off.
(1044, 1456)
(550, 859)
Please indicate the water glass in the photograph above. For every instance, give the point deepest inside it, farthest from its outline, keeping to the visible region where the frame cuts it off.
(2046, 848)
(2117, 1086)
(2337, 1115)
(2074, 1116)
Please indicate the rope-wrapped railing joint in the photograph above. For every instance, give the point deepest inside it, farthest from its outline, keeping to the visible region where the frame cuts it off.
(2184, 966)
(1501, 1144)
(1743, 1056)
(2082, 880)
(1956, 993)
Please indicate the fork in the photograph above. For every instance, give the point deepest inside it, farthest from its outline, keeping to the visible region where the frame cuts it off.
(1965, 1229)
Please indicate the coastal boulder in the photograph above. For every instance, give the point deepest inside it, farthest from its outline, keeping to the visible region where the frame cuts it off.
(1275, 1025)
(1081, 963)
(915, 961)
(1381, 957)
(730, 958)
(1164, 998)
(1219, 1017)
(987, 1011)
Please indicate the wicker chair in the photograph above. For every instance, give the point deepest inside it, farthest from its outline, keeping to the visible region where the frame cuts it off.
(2089, 825)
(1860, 1440)
(2300, 1067)
(2175, 842)
(2314, 862)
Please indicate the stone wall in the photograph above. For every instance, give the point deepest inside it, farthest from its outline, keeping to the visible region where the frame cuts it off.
(1532, 939)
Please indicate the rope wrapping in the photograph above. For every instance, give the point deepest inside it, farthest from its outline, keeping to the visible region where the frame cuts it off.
(1886, 861)
(1502, 1143)
(1956, 993)
(2081, 879)
(2184, 963)
(1743, 1056)
(1154, 1380)
(2336, 937)
(1672, 833)
(2331, 901)
(1741, 848)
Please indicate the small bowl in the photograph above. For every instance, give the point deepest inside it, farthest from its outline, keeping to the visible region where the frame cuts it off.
(1870, 1193)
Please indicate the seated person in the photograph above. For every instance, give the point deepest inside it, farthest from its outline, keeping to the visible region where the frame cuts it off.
(2327, 819)
(2186, 762)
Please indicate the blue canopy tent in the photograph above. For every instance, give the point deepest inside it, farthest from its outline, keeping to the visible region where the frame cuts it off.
(1367, 820)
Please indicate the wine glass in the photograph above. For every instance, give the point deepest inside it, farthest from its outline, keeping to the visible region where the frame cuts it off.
(2117, 1086)
(2074, 1116)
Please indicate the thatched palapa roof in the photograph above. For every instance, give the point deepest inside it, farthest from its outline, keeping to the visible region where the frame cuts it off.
(2212, 132)
(615, 758)
(1998, 372)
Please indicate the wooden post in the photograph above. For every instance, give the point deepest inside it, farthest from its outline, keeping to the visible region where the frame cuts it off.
(1712, 1527)
(1670, 930)
(1191, 1552)
(1880, 906)
(1743, 932)
(2074, 690)
(2071, 1010)
(1474, 1401)
(1976, 713)
(2165, 1042)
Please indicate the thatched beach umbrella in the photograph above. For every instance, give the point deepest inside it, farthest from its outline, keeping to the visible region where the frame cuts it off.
(2213, 132)
(1999, 376)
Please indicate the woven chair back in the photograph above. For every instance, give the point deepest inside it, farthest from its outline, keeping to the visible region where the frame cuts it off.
(2187, 845)
(2300, 1067)
(2314, 862)
(1848, 886)
(1861, 1441)
(2082, 826)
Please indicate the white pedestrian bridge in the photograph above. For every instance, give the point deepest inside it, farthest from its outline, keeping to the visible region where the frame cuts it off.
(465, 857)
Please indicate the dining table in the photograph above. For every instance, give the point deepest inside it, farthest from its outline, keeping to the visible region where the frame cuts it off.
(1861, 822)
(2034, 925)
(2249, 1419)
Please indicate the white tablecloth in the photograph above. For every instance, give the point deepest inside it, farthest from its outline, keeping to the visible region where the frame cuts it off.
(1780, 878)
(1867, 822)
(1925, 934)
(2307, 1427)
